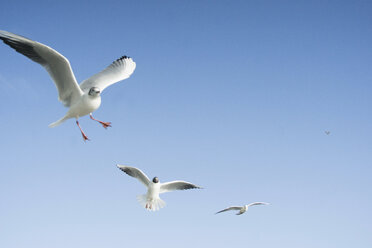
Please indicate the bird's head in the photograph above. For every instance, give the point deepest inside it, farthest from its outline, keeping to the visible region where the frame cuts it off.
(155, 180)
(94, 91)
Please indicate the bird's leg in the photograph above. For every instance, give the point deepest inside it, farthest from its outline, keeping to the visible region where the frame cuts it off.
(82, 133)
(104, 124)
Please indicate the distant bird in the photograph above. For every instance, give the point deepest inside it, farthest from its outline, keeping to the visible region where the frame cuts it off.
(151, 201)
(81, 99)
(327, 132)
(242, 209)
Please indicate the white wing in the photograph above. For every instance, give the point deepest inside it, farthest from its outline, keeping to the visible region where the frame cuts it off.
(229, 208)
(177, 185)
(56, 64)
(136, 173)
(119, 70)
(257, 203)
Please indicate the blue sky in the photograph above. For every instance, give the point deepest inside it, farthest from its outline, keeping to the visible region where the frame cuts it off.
(234, 96)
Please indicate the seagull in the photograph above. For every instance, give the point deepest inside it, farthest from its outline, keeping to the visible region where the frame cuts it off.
(327, 132)
(242, 209)
(151, 201)
(81, 99)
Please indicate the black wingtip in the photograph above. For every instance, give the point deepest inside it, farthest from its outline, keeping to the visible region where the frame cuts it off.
(24, 47)
(128, 171)
(123, 57)
(192, 187)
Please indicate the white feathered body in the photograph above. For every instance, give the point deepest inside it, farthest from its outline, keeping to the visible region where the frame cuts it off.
(243, 210)
(86, 105)
(151, 201)
(83, 106)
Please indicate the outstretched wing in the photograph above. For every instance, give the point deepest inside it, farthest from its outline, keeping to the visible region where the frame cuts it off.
(119, 70)
(136, 173)
(229, 208)
(177, 185)
(257, 203)
(56, 64)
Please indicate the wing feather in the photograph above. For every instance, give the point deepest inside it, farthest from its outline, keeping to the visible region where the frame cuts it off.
(136, 173)
(257, 203)
(119, 70)
(229, 208)
(177, 185)
(55, 63)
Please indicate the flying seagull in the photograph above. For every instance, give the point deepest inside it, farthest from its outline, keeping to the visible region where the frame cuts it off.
(81, 99)
(151, 201)
(242, 209)
(327, 132)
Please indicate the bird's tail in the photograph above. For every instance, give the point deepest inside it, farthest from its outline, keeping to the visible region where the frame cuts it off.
(151, 205)
(54, 124)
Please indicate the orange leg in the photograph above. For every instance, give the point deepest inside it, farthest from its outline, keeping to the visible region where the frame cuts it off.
(104, 124)
(82, 133)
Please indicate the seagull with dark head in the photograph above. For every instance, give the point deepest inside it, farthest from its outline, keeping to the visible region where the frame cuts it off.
(242, 209)
(81, 99)
(151, 201)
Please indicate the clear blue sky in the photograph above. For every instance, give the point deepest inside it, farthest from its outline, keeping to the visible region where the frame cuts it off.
(234, 96)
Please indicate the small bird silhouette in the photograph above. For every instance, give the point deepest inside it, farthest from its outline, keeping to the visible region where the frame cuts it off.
(151, 201)
(242, 209)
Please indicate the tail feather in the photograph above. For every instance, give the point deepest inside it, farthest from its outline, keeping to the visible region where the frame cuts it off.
(151, 205)
(54, 124)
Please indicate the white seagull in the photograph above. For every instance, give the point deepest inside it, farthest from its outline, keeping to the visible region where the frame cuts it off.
(81, 99)
(151, 201)
(242, 209)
